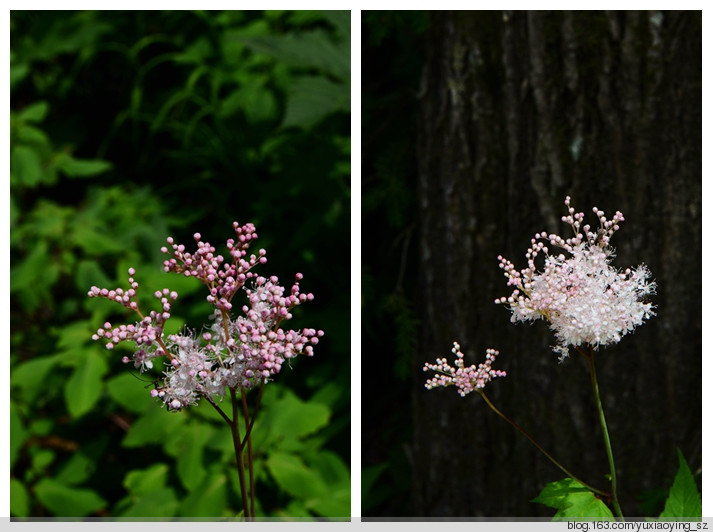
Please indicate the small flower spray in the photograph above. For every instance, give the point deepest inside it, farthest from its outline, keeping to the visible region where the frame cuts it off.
(234, 354)
(587, 302)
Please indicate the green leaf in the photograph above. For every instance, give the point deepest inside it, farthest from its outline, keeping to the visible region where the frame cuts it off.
(159, 503)
(89, 274)
(18, 433)
(29, 377)
(77, 469)
(208, 499)
(684, 501)
(35, 112)
(153, 427)
(288, 419)
(312, 98)
(72, 167)
(146, 481)
(132, 391)
(293, 476)
(255, 100)
(84, 387)
(64, 501)
(313, 49)
(187, 446)
(336, 502)
(18, 73)
(26, 166)
(573, 502)
(19, 499)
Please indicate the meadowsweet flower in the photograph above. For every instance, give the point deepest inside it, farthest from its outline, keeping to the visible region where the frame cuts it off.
(586, 300)
(465, 379)
(233, 352)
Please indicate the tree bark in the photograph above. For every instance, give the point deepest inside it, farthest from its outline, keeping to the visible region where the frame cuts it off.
(519, 110)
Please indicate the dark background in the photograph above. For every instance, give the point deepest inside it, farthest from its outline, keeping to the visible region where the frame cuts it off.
(476, 125)
(128, 127)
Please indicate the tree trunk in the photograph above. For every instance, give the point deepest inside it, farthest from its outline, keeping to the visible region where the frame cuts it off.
(519, 110)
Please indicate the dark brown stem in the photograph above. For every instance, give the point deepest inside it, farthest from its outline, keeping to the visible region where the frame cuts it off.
(239, 456)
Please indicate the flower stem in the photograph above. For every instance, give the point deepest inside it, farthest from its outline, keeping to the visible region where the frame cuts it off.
(248, 427)
(607, 443)
(239, 457)
(548, 455)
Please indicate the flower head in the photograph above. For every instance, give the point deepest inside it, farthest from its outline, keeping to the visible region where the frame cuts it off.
(585, 299)
(235, 352)
(465, 379)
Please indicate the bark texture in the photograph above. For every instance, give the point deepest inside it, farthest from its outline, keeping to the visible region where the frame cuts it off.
(520, 109)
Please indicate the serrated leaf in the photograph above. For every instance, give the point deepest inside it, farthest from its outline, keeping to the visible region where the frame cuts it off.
(684, 501)
(84, 387)
(573, 502)
(64, 501)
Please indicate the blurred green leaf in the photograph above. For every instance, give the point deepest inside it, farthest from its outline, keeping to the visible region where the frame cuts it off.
(335, 474)
(35, 112)
(159, 503)
(18, 72)
(307, 50)
(28, 380)
(287, 418)
(19, 499)
(84, 387)
(187, 445)
(293, 476)
(26, 167)
(132, 391)
(312, 98)
(72, 167)
(146, 481)
(64, 501)
(255, 100)
(17, 433)
(77, 469)
(208, 499)
(153, 427)
(41, 458)
(89, 274)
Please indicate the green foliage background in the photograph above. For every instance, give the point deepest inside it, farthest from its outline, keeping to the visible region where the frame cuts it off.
(128, 127)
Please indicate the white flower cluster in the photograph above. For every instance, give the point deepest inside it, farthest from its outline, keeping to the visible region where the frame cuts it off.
(585, 299)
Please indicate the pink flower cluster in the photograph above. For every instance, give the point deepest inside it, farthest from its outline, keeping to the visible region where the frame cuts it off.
(223, 279)
(235, 352)
(146, 333)
(465, 379)
(584, 298)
